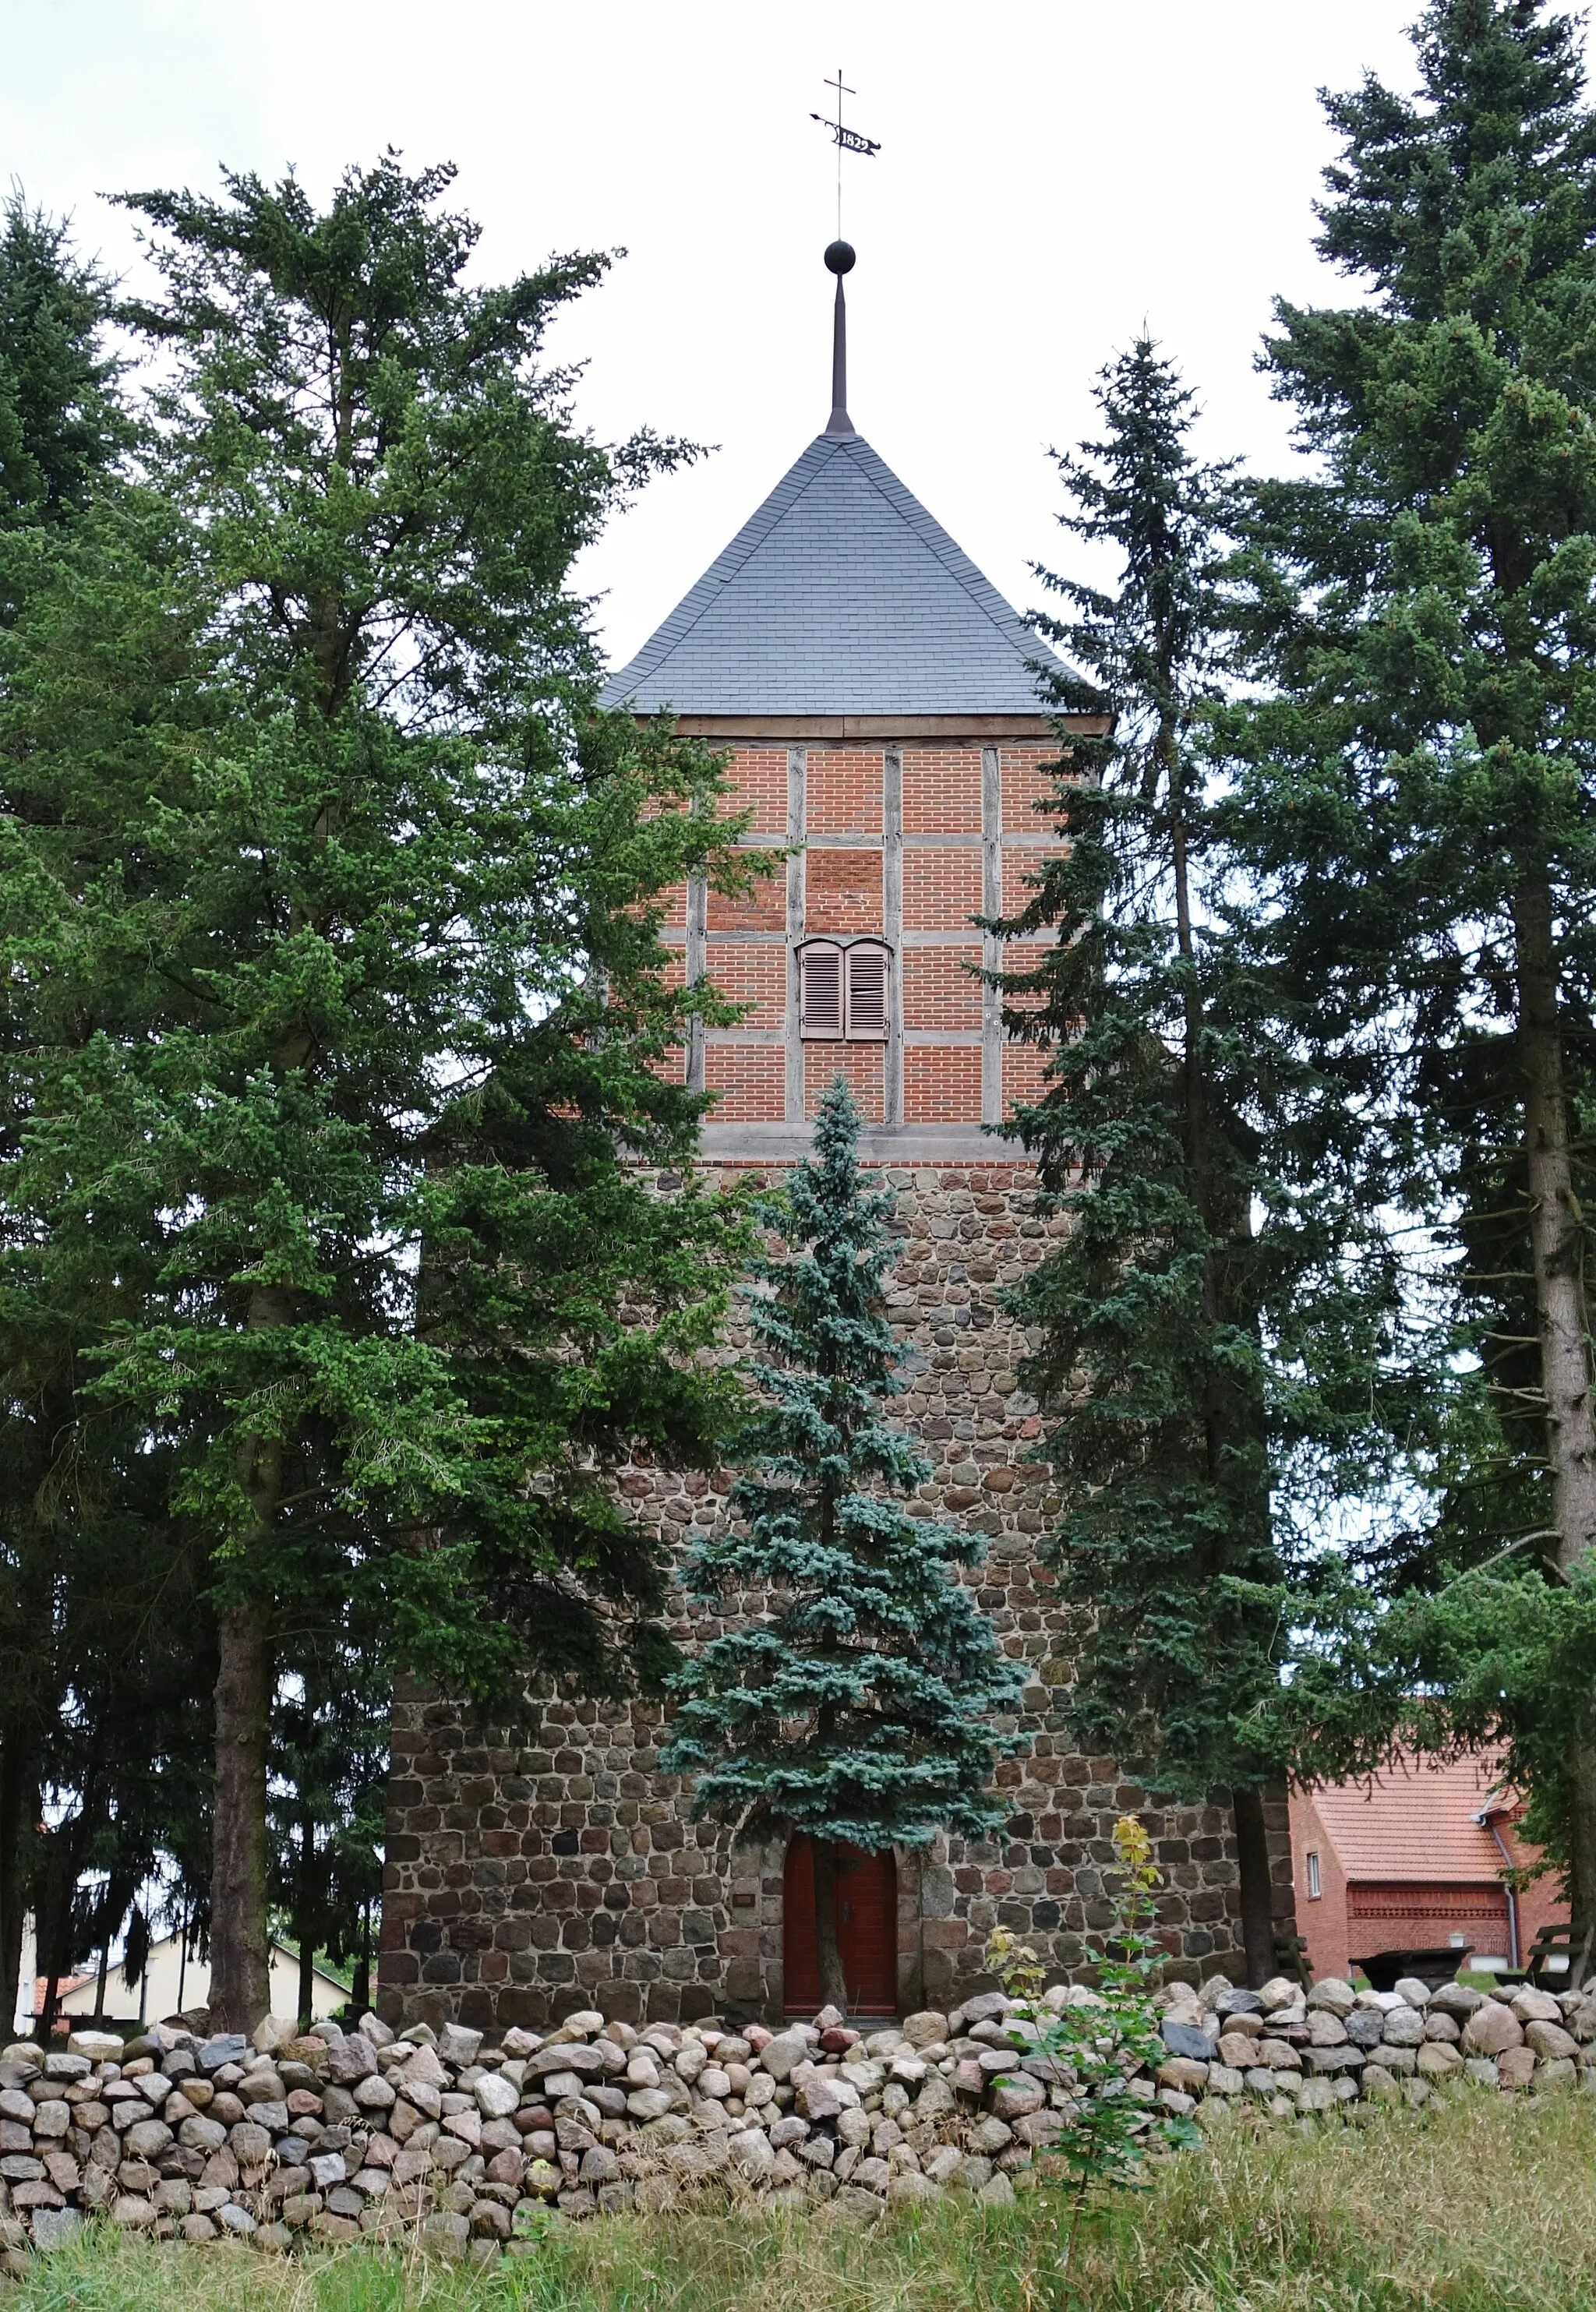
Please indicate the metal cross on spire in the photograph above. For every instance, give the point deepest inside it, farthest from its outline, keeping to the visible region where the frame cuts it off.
(847, 140)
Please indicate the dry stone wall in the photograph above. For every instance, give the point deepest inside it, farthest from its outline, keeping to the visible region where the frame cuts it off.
(540, 1869)
(465, 2147)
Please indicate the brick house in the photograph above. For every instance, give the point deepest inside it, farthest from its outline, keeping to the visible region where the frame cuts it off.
(1414, 1860)
(878, 701)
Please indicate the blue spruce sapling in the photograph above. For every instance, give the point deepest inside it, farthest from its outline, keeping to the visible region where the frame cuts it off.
(860, 1707)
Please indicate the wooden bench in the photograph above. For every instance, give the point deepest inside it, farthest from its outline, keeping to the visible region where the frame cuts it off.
(1550, 1944)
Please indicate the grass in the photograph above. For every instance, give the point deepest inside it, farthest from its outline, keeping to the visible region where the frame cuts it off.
(1473, 2204)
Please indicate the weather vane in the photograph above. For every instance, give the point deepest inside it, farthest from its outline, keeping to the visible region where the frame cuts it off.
(847, 140)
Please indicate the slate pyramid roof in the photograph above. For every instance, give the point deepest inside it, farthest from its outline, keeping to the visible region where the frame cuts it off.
(840, 596)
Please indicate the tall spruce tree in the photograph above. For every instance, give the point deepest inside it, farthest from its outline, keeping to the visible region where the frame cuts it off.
(80, 1686)
(860, 1706)
(1418, 800)
(62, 421)
(1207, 1325)
(334, 911)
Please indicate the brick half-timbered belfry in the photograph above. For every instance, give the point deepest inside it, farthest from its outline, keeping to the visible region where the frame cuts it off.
(879, 704)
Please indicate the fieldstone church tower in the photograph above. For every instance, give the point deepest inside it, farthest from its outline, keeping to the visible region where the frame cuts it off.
(879, 700)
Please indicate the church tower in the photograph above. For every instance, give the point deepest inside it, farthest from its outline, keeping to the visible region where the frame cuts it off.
(880, 705)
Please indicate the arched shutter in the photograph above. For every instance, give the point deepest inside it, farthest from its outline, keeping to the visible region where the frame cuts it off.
(820, 1000)
(867, 995)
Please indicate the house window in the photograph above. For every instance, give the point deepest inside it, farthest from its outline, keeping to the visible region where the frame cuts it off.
(1314, 1889)
(842, 990)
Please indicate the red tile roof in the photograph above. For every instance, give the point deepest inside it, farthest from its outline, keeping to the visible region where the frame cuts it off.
(1415, 1822)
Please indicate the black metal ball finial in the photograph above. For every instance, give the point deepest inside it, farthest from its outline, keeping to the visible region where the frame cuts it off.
(839, 257)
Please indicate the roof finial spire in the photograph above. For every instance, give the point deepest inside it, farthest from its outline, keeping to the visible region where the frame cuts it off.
(839, 260)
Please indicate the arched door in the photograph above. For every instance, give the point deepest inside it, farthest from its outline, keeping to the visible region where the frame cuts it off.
(866, 1930)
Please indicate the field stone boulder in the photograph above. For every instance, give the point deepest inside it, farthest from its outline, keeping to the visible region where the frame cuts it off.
(447, 2235)
(751, 2153)
(1416, 1993)
(1455, 1999)
(782, 2055)
(1491, 2030)
(459, 2045)
(1532, 2006)
(1332, 1992)
(225, 2048)
(1580, 2017)
(55, 2227)
(908, 2190)
(1515, 2067)
(1016, 2099)
(1550, 2040)
(497, 2097)
(350, 2059)
(95, 2046)
(1183, 2076)
(1185, 2039)
(570, 2056)
(985, 2007)
(1404, 2027)
(926, 2028)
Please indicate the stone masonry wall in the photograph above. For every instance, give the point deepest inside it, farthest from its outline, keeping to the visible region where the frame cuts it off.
(535, 1871)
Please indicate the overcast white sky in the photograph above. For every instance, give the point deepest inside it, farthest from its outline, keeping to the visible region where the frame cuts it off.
(1051, 176)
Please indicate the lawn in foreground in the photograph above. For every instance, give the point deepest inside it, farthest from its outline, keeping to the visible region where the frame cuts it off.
(1473, 2204)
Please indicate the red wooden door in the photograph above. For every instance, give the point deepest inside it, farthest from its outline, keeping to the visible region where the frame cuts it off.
(866, 1930)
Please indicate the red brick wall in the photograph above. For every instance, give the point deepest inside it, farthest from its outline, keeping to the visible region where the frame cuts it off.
(939, 988)
(843, 891)
(845, 790)
(942, 791)
(843, 887)
(1323, 1922)
(941, 889)
(942, 1085)
(863, 1065)
(747, 1079)
(759, 781)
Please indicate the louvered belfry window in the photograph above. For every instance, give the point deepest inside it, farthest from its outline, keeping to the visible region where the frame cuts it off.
(866, 994)
(821, 1001)
(843, 992)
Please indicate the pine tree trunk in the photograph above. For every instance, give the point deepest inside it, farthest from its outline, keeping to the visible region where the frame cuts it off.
(834, 1989)
(240, 1959)
(361, 1996)
(54, 1885)
(1257, 1886)
(1554, 1235)
(13, 1897)
(241, 1941)
(304, 1924)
